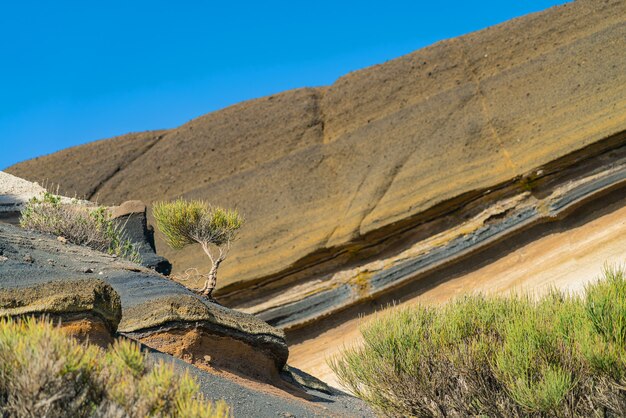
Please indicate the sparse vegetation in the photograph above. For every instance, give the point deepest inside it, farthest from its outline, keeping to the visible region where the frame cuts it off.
(185, 222)
(43, 373)
(79, 224)
(559, 355)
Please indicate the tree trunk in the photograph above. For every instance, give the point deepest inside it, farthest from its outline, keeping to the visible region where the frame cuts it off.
(211, 280)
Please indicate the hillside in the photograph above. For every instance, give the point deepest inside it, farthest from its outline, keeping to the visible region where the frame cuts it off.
(327, 177)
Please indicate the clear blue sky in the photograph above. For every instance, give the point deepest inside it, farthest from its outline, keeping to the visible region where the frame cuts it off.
(75, 71)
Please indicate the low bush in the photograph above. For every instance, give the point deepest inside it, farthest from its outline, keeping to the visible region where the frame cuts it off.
(559, 355)
(79, 224)
(43, 373)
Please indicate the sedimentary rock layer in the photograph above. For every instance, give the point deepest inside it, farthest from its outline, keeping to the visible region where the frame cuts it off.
(319, 173)
(565, 254)
(86, 309)
(60, 297)
(484, 220)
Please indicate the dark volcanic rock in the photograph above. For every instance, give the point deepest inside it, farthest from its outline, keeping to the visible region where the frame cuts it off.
(131, 217)
(154, 309)
(246, 402)
(91, 292)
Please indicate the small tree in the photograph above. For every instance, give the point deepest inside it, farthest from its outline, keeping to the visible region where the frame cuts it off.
(185, 222)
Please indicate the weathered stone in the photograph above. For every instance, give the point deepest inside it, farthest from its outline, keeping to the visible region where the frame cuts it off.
(86, 309)
(61, 297)
(128, 208)
(150, 307)
(329, 178)
(131, 217)
(459, 233)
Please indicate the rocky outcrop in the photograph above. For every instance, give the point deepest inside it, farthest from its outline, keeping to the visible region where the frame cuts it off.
(154, 310)
(96, 297)
(86, 309)
(131, 217)
(319, 172)
(397, 170)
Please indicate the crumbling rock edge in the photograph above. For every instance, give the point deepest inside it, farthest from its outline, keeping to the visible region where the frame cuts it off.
(65, 300)
(129, 297)
(271, 345)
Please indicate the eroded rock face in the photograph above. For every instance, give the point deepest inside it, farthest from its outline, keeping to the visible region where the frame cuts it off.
(207, 335)
(131, 217)
(237, 357)
(151, 308)
(86, 309)
(555, 193)
(210, 349)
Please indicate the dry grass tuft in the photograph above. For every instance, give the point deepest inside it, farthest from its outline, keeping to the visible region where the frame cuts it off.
(79, 224)
(44, 373)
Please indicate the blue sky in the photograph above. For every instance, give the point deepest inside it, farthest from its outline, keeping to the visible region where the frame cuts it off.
(76, 71)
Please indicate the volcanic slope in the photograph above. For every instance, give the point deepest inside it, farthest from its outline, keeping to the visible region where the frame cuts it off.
(322, 174)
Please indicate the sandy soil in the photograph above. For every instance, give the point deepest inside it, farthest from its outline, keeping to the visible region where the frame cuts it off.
(567, 260)
(89, 328)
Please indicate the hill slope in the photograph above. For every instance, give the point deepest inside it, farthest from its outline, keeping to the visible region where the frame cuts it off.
(323, 173)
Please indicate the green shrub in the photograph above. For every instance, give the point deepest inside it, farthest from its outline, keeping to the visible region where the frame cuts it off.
(606, 305)
(184, 222)
(79, 224)
(44, 373)
(560, 355)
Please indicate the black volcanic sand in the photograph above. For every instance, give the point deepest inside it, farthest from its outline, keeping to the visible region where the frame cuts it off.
(249, 403)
